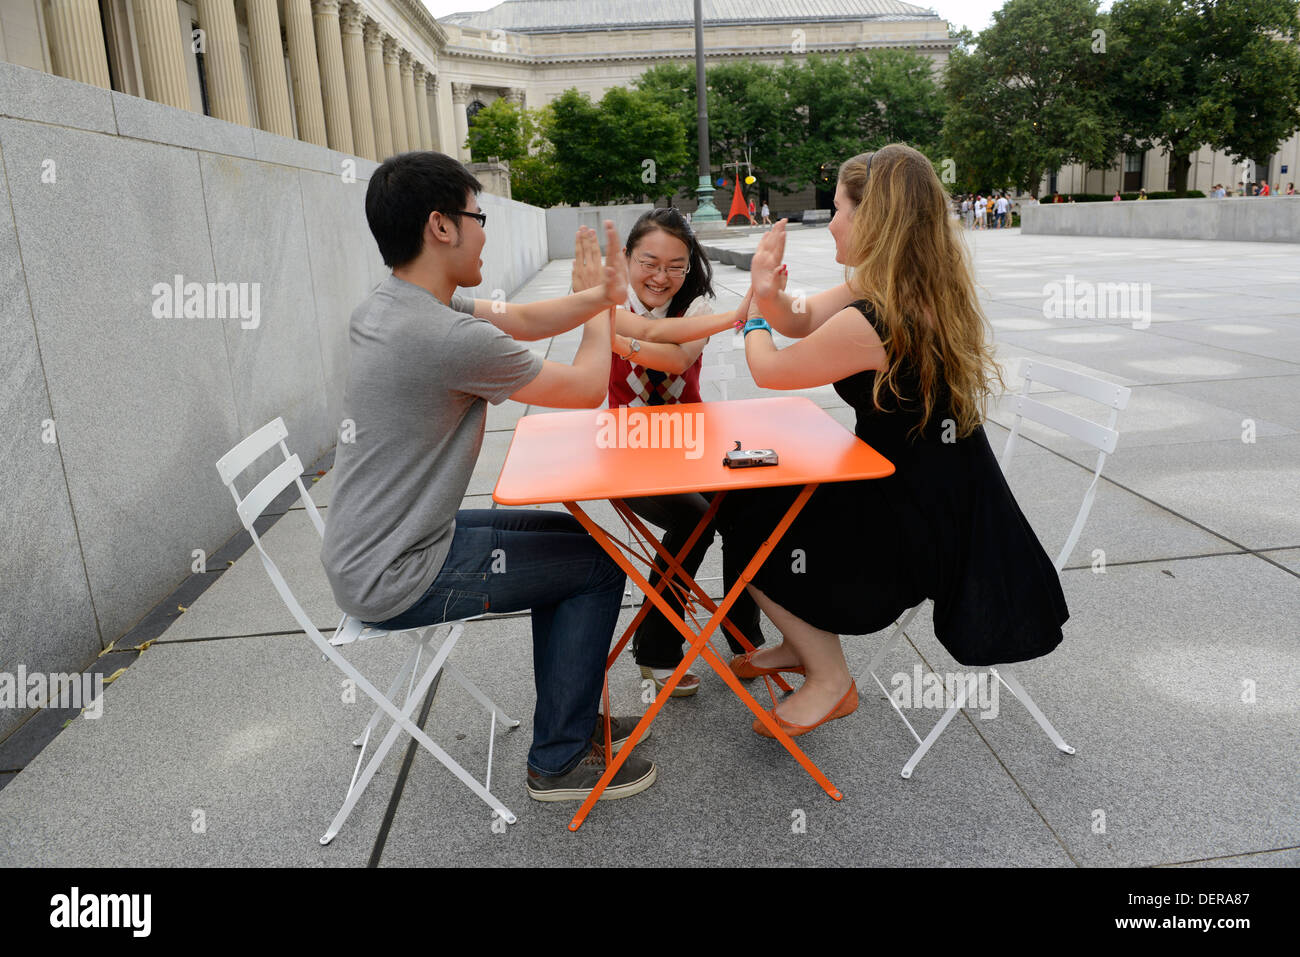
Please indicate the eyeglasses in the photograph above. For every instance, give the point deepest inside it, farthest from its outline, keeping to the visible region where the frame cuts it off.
(481, 217)
(673, 272)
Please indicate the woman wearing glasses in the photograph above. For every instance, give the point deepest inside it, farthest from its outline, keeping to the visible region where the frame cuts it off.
(668, 276)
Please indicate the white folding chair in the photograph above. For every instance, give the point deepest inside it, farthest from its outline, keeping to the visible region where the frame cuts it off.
(1100, 437)
(349, 630)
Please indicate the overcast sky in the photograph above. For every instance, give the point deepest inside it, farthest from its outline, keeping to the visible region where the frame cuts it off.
(976, 14)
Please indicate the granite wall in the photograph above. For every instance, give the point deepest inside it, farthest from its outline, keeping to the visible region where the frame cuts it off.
(115, 404)
(562, 224)
(1245, 219)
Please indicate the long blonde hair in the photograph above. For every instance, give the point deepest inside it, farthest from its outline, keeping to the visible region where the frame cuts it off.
(907, 258)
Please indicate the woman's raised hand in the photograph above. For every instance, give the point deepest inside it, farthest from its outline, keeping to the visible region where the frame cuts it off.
(765, 270)
(586, 260)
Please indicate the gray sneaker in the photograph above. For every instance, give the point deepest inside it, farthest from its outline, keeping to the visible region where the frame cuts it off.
(620, 729)
(633, 777)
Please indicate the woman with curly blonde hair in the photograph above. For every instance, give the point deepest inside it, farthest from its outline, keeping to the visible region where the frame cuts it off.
(905, 343)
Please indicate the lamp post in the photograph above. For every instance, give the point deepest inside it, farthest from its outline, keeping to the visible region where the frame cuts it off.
(705, 212)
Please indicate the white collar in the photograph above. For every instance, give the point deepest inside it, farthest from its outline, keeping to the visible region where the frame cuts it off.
(638, 307)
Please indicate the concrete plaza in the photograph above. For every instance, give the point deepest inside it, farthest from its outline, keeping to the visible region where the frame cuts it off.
(226, 742)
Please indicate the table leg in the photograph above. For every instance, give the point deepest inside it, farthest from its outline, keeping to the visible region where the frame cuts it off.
(676, 569)
(699, 646)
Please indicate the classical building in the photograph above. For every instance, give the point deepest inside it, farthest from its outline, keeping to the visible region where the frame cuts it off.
(1154, 172)
(361, 78)
(374, 77)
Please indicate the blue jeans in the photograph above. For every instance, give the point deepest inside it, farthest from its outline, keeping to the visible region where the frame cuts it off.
(504, 560)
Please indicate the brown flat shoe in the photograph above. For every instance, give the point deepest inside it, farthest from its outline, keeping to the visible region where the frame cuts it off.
(847, 705)
(743, 668)
(689, 684)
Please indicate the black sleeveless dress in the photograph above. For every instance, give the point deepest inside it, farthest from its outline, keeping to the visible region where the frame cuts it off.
(944, 526)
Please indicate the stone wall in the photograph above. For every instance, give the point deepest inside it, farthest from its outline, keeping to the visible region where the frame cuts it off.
(114, 408)
(1257, 219)
(562, 224)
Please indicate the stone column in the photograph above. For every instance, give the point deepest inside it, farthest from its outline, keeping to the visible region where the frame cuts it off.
(333, 82)
(265, 51)
(158, 38)
(354, 65)
(223, 65)
(431, 108)
(305, 70)
(77, 41)
(422, 107)
(408, 101)
(393, 83)
(460, 100)
(374, 40)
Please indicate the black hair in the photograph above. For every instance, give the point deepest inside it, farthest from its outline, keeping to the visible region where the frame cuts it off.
(699, 277)
(404, 190)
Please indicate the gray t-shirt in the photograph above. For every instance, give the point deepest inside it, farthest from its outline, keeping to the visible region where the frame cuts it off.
(420, 376)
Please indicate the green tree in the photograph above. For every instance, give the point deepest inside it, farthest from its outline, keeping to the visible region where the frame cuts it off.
(1193, 72)
(612, 151)
(672, 86)
(798, 116)
(1029, 95)
(517, 136)
(500, 129)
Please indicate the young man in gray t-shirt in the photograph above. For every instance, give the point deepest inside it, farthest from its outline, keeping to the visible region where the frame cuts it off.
(422, 365)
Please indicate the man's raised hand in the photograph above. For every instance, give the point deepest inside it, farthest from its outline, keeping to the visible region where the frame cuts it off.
(586, 260)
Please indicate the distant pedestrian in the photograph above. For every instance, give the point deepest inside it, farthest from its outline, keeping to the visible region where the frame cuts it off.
(1001, 209)
(1142, 194)
(1290, 189)
(1117, 197)
(1263, 189)
(752, 210)
(767, 215)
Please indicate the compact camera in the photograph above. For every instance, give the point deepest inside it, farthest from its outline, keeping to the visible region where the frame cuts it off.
(748, 458)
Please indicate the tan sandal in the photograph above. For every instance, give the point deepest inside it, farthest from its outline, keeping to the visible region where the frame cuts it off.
(689, 684)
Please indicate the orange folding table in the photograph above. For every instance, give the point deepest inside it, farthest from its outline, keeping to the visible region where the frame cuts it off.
(625, 453)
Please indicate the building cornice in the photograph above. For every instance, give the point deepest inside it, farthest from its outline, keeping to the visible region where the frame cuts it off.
(423, 20)
(714, 53)
(710, 24)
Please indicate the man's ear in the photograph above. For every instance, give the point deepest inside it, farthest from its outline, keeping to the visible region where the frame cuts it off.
(438, 228)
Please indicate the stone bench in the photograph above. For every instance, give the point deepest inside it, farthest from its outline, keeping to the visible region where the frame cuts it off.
(816, 217)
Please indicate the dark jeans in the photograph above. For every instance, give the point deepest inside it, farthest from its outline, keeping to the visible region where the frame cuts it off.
(657, 644)
(504, 560)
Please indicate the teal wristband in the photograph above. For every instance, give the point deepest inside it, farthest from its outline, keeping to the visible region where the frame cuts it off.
(758, 322)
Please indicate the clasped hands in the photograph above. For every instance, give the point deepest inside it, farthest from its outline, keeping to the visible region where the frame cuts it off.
(768, 276)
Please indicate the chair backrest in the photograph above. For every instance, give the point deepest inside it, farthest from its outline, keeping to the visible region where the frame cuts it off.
(231, 465)
(721, 373)
(1101, 437)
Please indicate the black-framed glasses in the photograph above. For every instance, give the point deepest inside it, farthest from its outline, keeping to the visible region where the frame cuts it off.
(481, 217)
